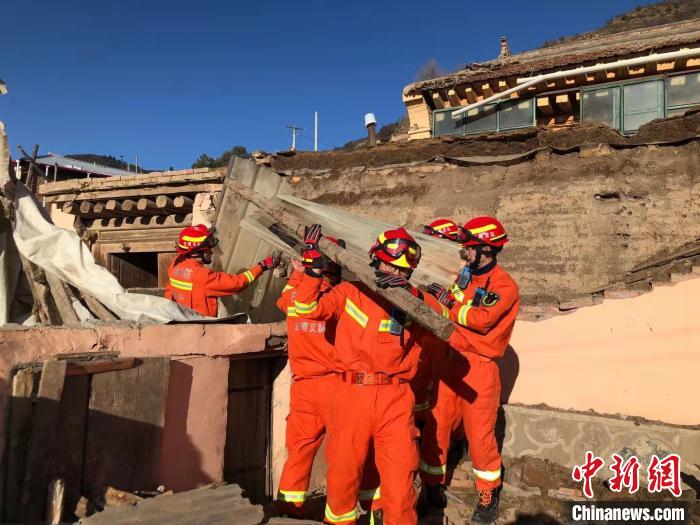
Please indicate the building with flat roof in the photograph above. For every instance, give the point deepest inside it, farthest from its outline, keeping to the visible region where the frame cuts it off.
(623, 80)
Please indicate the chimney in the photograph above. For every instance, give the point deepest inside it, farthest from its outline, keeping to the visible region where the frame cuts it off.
(505, 52)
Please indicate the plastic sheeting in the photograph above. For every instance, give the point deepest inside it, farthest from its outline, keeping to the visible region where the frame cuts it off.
(63, 253)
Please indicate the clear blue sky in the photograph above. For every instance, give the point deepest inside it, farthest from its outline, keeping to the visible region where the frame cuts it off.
(170, 80)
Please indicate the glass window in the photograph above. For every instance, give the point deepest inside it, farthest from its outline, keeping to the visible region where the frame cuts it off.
(602, 105)
(444, 124)
(482, 119)
(643, 103)
(683, 90)
(515, 114)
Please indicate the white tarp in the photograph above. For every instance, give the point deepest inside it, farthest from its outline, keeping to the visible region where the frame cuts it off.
(63, 253)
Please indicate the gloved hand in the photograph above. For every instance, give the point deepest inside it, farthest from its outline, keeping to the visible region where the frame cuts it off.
(428, 230)
(312, 234)
(441, 294)
(389, 280)
(270, 262)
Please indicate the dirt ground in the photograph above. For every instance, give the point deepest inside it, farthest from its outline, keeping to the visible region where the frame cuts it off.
(588, 206)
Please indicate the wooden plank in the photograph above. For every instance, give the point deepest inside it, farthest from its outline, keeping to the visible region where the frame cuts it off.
(70, 441)
(97, 308)
(76, 368)
(125, 427)
(141, 222)
(164, 260)
(38, 471)
(54, 502)
(135, 193)
(18, 433)
(63, 302)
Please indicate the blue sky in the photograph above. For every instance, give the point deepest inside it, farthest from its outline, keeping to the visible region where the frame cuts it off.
(169, 80)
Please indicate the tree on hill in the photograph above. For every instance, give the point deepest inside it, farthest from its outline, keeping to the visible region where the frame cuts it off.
(205, 161)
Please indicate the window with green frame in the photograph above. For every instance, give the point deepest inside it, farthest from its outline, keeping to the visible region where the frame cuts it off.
(509, 114)
(682, 92)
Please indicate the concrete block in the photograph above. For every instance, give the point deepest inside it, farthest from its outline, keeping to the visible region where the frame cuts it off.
(563, 438)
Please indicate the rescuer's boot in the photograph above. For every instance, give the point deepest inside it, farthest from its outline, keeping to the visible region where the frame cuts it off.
(431, 496)
(486, 510)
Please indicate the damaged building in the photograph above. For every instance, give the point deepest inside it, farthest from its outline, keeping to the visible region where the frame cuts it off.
(118, 406)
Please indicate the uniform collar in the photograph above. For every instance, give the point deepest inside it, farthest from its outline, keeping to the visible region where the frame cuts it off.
(485, 269)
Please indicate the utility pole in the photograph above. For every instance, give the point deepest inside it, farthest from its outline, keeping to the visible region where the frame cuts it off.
(294, 135)
(315, 130)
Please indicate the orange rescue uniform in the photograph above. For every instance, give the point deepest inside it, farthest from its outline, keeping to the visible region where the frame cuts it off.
(469, 385)
(195, 286)
(374, 402)
(315, 382)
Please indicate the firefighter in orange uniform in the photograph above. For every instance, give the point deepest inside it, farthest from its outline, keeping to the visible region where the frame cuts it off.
(469, 383)
(195, 286)
(378, 350)
(315, 381)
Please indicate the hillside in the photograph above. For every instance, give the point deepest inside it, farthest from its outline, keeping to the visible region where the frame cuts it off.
(107, 160)
(638, 18)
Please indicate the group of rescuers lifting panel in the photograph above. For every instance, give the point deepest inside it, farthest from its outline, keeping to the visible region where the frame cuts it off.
(365, 375)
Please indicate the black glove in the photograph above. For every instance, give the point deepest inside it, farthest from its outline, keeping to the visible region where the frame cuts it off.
(389, 280)
(441, 294)
(270, 262)
(312, 234)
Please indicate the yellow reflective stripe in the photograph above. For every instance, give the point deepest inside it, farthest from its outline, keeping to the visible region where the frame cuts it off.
(369, 494)
(181, 285)
(292, 496)
(497, 237)
(358, 315)
(435, 471)
(292, 312)
(339, 518)
(457, 292)
(303, 308)
(462, 315)
(418, 407)
(488, 475)
(445, 311)
(249, 275)
(483, 229)
(287, 287)
(194, 239)
(385, 325)
(443, 226)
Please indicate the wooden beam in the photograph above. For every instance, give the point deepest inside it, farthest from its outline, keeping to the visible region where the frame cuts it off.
(128, 206)
(97, 308)
(71, 207)
(86, 208)
(75, 368)
(18, 434)
(54, 502)
(438, 101)
(544, 105)
(453, 98)
(563, 103)
(149, 207)
(469, 94)
(63, 302)
(634, 71)
(182, 202)
(133, 193)
(486, 90)
(146, 221)
(41, 445)
(114, 208)
(164, 202)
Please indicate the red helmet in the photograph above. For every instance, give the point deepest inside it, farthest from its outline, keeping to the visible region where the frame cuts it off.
(396, 247)
(445, 229)
(193, 238)
(485, 230)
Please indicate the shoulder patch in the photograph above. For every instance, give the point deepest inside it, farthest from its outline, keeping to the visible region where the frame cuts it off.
(490, 299)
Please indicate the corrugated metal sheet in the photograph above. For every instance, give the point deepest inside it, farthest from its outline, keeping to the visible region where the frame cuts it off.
(79, 165)
(239, 249)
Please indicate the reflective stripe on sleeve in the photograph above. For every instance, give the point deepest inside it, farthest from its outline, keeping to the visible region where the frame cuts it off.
(340, 518)
(369, 494)
(287, 287)
(291, 496)
(488, 475)
(445, 311)
(292, 312)
(462, 315)
(249, 275)
(435, 471)
(181, 285)
(385, 325)
(457, 292)
(303, 308)
(358, 315)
